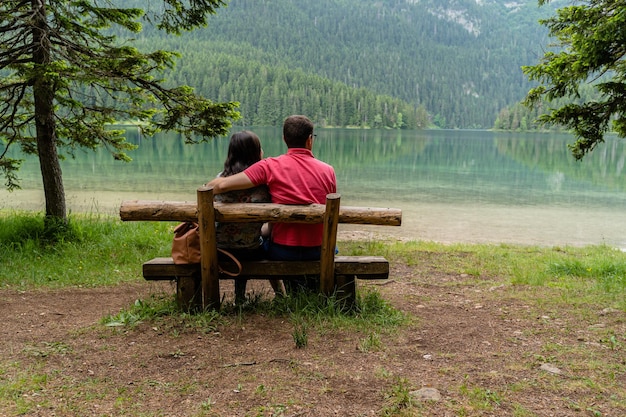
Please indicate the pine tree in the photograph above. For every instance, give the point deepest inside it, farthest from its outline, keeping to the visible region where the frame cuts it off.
(66, 77)
(589, 50)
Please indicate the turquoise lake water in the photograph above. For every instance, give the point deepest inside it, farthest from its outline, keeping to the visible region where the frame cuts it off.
(452, 186)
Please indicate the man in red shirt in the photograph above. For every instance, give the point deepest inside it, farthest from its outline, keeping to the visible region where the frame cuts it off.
(295, 177)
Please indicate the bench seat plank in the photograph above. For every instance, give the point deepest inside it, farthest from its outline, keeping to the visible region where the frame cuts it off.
(363, 267)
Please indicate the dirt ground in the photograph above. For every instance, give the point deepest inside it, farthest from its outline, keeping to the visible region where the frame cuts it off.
(489, 349)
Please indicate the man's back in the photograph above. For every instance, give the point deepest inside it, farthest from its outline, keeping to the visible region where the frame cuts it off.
(295, 178)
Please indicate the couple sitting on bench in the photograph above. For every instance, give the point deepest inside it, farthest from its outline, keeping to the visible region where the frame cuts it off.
(295, 177)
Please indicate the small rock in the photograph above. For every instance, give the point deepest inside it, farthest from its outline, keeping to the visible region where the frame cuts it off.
(426, 394)
(609, 310)
(550, 368)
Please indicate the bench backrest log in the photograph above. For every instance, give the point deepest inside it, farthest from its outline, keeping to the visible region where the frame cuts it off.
(206, 213)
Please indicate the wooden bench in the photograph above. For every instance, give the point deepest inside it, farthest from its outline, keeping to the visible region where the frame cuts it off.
(198, 284)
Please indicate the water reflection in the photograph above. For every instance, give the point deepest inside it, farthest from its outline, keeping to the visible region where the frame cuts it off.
(451, 185)
(604, 166)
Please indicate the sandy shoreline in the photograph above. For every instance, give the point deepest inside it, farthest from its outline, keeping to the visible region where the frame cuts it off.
(446, 223)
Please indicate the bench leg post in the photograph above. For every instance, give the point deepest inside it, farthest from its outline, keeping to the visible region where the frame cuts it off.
(329, 241)
(208, 250)
(188, 293)
(346, 291)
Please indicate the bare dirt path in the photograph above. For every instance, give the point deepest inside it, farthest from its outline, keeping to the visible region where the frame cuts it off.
(479, 344)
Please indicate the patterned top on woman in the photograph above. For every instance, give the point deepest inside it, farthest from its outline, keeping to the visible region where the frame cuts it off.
(241, 235)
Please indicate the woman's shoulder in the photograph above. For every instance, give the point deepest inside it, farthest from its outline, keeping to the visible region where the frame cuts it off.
(259, 194)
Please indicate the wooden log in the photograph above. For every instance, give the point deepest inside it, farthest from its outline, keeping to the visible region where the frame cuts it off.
(188, 293)
(363, 267)
(346, 290)
(138, 210)
(209, 269)
(382, 216)
(329, 240)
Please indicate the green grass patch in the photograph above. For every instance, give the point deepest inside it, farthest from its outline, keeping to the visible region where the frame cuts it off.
(102, 250)
(398, 400)
(19, 389)
(584, 275)
(372, 315)
(163, 311)
(97, 250)
(94, 250)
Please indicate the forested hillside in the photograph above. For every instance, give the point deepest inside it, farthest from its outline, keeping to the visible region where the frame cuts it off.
(519, 117)
(395, 63)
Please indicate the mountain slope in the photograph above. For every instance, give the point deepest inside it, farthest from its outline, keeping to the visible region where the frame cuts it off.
(460, 59)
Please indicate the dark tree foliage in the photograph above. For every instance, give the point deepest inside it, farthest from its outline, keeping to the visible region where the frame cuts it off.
(589, 50)
(457, 60)
(64, 78)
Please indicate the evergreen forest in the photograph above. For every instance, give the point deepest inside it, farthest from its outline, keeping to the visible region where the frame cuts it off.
(363, 63)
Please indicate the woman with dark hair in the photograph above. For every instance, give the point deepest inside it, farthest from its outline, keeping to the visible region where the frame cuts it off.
(244, 149)
(243, 240)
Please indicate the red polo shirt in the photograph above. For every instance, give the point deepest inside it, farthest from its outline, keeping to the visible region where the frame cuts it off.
(295, 178)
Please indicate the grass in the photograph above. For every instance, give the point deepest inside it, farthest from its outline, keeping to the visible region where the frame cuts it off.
(157, 309)
(583, 275)
(21, 383)
(398, 400)
(100, 250)
(95, 251)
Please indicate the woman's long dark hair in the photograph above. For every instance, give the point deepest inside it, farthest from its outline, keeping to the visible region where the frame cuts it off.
(244, 150)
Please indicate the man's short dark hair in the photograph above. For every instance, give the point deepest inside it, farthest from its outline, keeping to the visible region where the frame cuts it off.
(296, 130)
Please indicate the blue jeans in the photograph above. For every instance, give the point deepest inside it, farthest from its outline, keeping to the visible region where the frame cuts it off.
(295, 284)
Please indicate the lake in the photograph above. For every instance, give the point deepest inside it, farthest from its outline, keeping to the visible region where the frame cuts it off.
(452, 186)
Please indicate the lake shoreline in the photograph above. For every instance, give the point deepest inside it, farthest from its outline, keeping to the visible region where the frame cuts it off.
(437, 222)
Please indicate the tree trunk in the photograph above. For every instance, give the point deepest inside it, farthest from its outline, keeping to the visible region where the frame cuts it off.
(43, 93)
